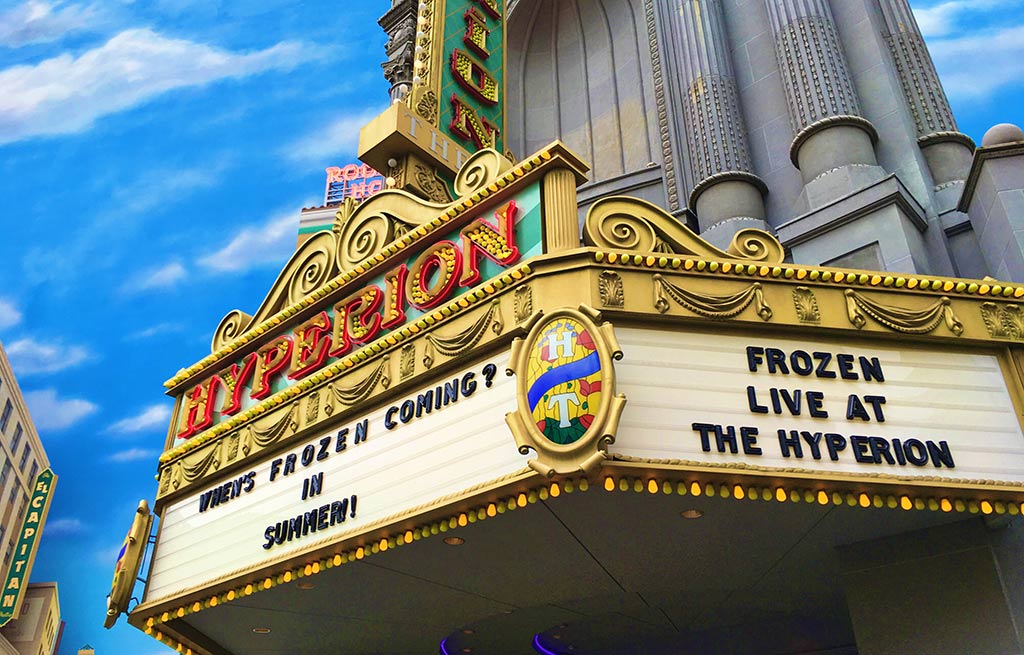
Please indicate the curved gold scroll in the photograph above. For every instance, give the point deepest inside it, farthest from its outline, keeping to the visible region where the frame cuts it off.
(483, 168)
(625, 223)
(360, 231)
(379, 220)
(309, 268)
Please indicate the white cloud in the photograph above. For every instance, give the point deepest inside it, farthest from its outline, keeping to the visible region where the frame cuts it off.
(50, 412)
(165, 185)
(29, 357)
(154, 416)
(63, 527)
(9, 314)
(36, 21)
(956, 60)
(153, 331)
(164, 277)
(66, 94)
(134, 455)
(332, 143)
(946, 17)
(273, 242)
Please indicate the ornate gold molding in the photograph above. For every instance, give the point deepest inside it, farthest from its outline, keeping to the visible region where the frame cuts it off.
(632, 224)
(709, 305)
(1003, 320)
(901, 319)
(565, 364)
(361, 230)
(456, 344)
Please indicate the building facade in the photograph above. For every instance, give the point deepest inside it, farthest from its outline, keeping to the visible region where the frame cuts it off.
(26, 483)
(37, 630)
(760, 308)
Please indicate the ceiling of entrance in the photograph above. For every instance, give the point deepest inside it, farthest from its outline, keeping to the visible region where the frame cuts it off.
(592, 572)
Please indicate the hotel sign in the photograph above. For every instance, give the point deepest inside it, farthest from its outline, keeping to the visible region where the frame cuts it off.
(26, 546)
(459, 71)
(473, 78)
(435, 271)
(819, 408)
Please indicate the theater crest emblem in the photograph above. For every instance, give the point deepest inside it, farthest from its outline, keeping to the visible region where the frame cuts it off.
(568, 410)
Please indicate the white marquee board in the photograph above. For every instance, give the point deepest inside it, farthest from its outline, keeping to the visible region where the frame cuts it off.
(451, 449)
(949, 399)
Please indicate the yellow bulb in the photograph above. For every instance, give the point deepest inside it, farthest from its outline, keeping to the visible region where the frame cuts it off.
(905, 503)
(780, 495)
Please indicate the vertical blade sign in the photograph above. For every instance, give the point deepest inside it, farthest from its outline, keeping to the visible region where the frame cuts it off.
(473, 77)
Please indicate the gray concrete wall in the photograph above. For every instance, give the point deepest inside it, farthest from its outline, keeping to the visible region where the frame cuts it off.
(937, 591)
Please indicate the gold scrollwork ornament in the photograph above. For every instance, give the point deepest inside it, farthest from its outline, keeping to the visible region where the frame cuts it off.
(568, 411)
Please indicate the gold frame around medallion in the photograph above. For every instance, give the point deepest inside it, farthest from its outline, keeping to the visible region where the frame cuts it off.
(590, 450)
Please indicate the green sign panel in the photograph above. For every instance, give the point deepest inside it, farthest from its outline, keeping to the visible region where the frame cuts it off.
(473, 73)
(28, 542)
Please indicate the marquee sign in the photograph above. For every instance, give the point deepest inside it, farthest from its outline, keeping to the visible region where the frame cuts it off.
(433, 272)
(26, 546)
(459, 74)
(439, 440)
(822, 407)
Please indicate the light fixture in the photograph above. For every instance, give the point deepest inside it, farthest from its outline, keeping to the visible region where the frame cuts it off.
(454, 541)
(304, 585)
(261, 631)
(691, 513)
(468, 631)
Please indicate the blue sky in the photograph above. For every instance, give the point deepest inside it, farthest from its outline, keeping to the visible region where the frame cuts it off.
(153, 158)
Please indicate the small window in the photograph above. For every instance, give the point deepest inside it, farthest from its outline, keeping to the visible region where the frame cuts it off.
(13, 495)
(6, 416)
(3, 532)
(24, 459)
(5, 473)
(34, 473)
(16, 441)
(7, 555)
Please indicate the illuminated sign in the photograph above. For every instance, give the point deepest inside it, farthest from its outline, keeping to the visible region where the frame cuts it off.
(357, 181)
(834, 408)
(25, 547)
(473, 75)
(394, 460)
(433, 273)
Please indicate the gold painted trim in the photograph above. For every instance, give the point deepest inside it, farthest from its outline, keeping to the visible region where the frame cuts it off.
(586, 453)
(474, 176)
(632, 224)
(621, 475)
(370, 351)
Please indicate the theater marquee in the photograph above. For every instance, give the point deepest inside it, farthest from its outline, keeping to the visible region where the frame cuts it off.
(834, 408)
(427, 365)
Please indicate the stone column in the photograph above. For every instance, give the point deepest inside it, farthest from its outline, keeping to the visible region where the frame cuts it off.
(947, 151)
(993, 199)
(833, 145)
(400, 25)
(727, 196)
